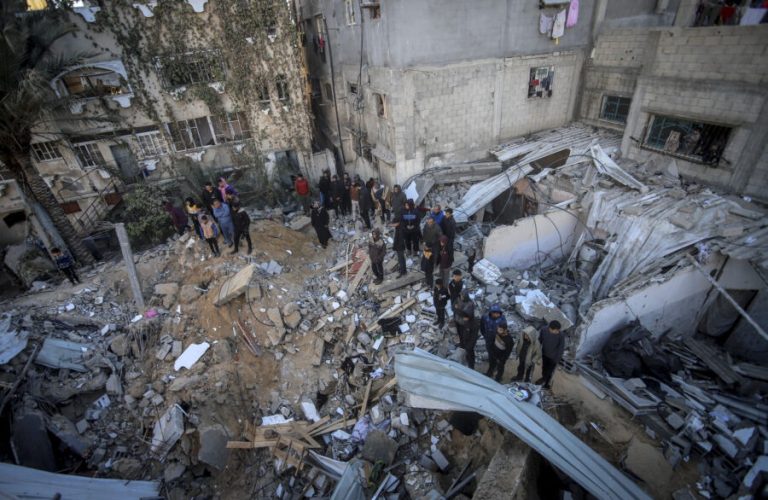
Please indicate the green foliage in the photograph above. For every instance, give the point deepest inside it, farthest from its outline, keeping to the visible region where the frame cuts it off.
(145, 220)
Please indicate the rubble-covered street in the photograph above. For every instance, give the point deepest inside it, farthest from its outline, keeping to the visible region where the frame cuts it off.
(288, 373)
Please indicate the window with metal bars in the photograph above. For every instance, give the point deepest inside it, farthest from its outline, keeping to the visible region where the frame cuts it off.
(191, 68)
(151, 144)
(615, 108)
(282, 87)
(89, 155)
(230, 127)
(695, 141)
(190, 134)
(46, 151)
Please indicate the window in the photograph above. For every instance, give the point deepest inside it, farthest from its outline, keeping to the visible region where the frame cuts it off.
(696, 141)
(381, 109)
(46, 151)
(151, 144)
(190, 134)
(191, 68)
(375, 11)
(282, 87)
(263, 92)
(316, 90)
(328, 92)
(615, 108)
(540, 82)
(88, 154)
(350, 11)
(352, 88)
(91, 82)
(230, 127)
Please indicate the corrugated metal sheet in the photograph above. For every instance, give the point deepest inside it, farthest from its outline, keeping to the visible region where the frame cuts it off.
(432, 382)
(23, 482)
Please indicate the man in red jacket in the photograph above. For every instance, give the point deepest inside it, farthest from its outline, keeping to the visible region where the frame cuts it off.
(301, 186)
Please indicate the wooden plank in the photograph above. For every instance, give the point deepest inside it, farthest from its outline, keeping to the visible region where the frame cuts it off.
(713, 360)
(359, 276)
(350, 331)
(364, 408)
(386, 387)
(392, 313)
(334, 426)
(339, 266)
(251, 444)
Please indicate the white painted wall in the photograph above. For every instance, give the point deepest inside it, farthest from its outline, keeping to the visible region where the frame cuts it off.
(515, 246)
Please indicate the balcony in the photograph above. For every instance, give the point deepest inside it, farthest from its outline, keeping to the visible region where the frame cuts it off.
(88, 82)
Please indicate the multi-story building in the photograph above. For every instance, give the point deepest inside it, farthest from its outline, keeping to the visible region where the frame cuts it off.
(167, 89)
(400, 86)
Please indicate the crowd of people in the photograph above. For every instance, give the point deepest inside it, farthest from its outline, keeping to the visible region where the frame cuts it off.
(430, 234)
(218, 214)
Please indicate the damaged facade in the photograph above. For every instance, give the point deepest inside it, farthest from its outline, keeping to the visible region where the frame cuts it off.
(170, 91)
(423, 94)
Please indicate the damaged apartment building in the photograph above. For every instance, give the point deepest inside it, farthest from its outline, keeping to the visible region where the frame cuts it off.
(167, 91)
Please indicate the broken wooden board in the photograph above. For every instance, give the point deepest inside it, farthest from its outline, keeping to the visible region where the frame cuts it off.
(235, 286)
(714, 361)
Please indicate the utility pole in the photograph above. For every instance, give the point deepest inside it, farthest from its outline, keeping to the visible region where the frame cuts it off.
(125, 247)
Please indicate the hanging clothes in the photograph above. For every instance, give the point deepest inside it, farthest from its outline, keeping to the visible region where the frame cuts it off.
(573, 14)
(545, 24)
(558, 28)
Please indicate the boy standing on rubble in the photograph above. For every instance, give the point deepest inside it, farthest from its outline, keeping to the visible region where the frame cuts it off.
(65, 264)
(376, 252)
(499, 344)
(440, 298)
(455, 287)
(428, 264)
(491, 320)
(552, 347)
(210, 233)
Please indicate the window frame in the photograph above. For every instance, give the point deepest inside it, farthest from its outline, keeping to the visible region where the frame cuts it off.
(188, 133)
(85, 153)
(151, 144)
(224, 127)
(615, 118)
(283, 90)
(534, 82)
(349, 12)
(672, 122)
(200, 67)
(381, 104)
(51, 153)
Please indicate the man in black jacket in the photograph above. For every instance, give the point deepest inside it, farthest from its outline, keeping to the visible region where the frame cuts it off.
(208, 195)
(448, 225)
(468, 335)
(337, 193)
(324, 186)
(366, 202)
(552, 347)
(242, 227)
(398, 245)
(376, 252)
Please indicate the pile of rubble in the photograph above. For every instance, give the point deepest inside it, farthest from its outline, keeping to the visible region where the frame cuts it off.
(691, 397)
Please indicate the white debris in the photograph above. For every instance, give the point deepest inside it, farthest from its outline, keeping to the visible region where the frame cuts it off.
(190, 356)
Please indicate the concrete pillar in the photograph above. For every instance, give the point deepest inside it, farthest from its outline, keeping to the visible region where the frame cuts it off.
(133, 276)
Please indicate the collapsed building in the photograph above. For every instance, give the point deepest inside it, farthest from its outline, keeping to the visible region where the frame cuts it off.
(289, 373)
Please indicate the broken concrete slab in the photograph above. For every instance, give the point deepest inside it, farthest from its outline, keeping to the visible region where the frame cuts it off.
(168, 291)
(511, 472)
(68, 433)
(487, 272)
(379, 447)
(190, 356)
(168, 429)
(300, 223)
(276, 333)
(11, 344)
(213, 446)
(533, 304)
(120, 344)
(31, 444)
(235, 286)
(57, 353)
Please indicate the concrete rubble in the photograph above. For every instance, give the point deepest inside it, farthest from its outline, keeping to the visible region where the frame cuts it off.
(277, 370)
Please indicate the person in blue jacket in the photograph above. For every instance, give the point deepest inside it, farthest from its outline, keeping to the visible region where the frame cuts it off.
(223, 215)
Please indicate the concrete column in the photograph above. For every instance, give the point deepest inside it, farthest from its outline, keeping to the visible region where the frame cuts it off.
(133, 276)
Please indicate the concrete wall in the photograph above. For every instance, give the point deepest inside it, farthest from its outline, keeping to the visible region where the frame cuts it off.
(11, 201)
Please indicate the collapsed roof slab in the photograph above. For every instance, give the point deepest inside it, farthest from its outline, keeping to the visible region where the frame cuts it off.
(435, 383)
(542, 239)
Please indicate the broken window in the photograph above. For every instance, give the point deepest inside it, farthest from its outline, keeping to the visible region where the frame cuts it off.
(231, 127)
(350, 11)
(381, 109)
(191, 68)
(91, 82)
(46, 151)
(190, 134)
(615, 108)
(352, 88)
(282, 87)
(89, 155)
(263, 93)
(151, 144)
(540, 82)
(374, 11)
(14, 218)
(696, 141)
